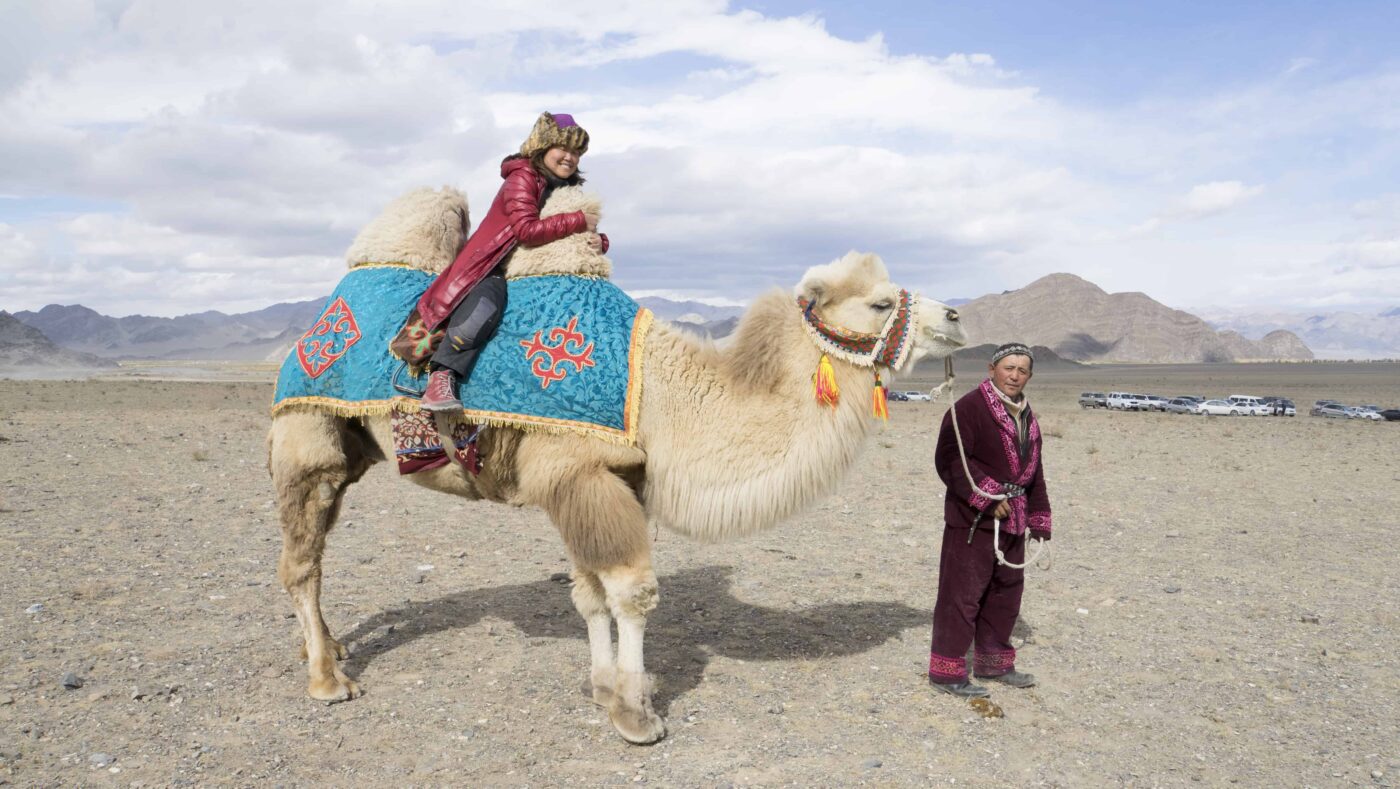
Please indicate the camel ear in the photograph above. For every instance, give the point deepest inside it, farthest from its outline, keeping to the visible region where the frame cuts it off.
(812, 288)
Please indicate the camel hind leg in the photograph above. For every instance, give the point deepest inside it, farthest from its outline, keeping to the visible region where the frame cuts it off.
(313, 459)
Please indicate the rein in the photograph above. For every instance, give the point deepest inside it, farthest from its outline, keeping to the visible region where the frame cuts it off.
(1044, 548)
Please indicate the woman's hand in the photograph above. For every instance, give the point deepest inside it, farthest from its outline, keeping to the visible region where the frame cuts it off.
(595, 243)
(591, 222)
(1003, 509)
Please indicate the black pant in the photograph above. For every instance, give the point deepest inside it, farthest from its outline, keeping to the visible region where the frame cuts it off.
(471, 326)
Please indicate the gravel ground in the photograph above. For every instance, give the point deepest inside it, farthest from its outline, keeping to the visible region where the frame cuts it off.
(1221, 610)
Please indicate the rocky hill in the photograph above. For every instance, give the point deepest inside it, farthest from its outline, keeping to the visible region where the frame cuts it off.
(1330, 335)
(1082, 322)
(25, 347)
(249, 336)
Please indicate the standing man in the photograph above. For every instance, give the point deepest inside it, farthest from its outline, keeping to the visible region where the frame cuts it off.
(979, 599)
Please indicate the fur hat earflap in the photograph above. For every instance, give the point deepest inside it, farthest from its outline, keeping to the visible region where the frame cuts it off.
(555, 131)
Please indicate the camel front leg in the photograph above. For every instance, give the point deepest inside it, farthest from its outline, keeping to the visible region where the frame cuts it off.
(591, 600)
(632, 594)
(605, 531)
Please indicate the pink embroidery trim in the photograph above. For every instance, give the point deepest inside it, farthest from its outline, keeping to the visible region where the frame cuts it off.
(980, 502)
(946, 667)
(1040, 521)
(993, 663)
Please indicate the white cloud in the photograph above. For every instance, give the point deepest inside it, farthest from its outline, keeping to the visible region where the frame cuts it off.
(243, 151)
(1216, 197)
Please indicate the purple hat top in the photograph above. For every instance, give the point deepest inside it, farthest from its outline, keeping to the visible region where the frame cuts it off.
(562, 120)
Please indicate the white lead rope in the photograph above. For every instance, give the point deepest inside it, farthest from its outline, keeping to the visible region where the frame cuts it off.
(1044, 546)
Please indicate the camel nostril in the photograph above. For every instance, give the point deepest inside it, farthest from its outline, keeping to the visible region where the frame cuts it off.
(953, 316)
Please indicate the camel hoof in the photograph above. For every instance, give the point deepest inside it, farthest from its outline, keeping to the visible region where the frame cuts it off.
(334, 647)
(631, 713)
(334, 689)
(637, 726)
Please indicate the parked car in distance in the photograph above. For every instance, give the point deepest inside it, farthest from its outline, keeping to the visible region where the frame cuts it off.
(1330, 410)
(917, 396)
(1182, 405)
(1282, 407)
(1156, 402)
(897, 396)
(1093, 400)
(1357, 412)
(1391, 414)
(1218, 408)
(1317, 406)
(1193, 398)
(1125, 401)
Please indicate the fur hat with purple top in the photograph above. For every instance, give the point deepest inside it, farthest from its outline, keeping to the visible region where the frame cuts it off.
(552, 131)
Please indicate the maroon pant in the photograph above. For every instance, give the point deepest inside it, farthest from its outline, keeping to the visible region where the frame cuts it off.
(978, 602)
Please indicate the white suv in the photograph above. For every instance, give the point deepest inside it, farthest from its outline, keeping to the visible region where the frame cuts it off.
(1124, 401)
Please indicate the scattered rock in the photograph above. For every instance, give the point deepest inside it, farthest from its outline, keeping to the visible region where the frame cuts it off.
(1173, 534)
(419, 578)
(1171, 589)
(776, 709)
(560, 578)
(871, 764)
(1083, 611)
(5, 699)
(34, 609)
(1311, 619)
(100, 759)
(1377, 774)
(72, 681)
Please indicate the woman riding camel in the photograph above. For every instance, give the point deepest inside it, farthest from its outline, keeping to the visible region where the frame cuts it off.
(470, 296)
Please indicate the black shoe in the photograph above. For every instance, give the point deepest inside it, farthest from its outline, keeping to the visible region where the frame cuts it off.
(1014, 678)
(963, 690)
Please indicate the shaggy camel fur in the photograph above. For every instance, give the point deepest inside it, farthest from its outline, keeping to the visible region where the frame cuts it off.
(767, 449)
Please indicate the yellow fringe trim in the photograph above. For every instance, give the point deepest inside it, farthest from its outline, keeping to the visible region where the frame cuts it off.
(386, 264)
(338, 407)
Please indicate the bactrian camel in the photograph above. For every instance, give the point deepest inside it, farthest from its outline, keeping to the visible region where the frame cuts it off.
(730, 441)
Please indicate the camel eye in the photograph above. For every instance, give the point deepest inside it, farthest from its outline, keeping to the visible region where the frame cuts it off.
(882, 306)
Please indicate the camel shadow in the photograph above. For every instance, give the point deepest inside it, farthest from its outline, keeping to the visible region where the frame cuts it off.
(699, 618)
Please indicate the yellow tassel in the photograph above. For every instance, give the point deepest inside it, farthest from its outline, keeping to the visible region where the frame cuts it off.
(824, 386)
(879, 400)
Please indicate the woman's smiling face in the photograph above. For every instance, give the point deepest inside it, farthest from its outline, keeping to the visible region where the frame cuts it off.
(561, 161)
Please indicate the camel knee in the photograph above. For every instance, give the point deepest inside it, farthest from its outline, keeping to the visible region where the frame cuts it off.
(589, 596)
(632, 594)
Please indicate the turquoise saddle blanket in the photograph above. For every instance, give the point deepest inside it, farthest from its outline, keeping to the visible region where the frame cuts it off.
(566, 358)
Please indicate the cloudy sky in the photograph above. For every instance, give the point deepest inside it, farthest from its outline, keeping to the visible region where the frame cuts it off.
(171, 156)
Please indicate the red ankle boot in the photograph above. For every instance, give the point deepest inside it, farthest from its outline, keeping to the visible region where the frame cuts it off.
(441, 394)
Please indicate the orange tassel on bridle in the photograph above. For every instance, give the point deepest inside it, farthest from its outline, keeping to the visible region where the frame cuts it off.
(879, 400)
(824, 386)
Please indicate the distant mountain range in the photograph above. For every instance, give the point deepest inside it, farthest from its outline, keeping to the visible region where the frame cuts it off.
(1082, 322)
(1331, 335)
(1075, 319)
(25, 347)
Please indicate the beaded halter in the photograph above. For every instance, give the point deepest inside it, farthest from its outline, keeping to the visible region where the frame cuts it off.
(889, 349)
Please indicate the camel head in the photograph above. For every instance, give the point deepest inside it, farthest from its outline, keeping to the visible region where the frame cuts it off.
(569, 255)
(854, 294)
(424, 228)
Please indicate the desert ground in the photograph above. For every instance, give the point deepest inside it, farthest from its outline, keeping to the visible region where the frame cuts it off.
(1221, 609)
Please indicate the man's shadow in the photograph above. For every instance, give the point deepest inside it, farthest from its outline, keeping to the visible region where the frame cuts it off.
(698, 618)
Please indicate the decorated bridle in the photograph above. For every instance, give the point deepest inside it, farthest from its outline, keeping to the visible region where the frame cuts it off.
(889, 348)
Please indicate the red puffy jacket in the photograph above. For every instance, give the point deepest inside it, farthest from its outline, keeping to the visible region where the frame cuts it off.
(514, 218)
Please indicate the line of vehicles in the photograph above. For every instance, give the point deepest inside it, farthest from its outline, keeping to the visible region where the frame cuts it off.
(911, 396)
(1234, 405)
